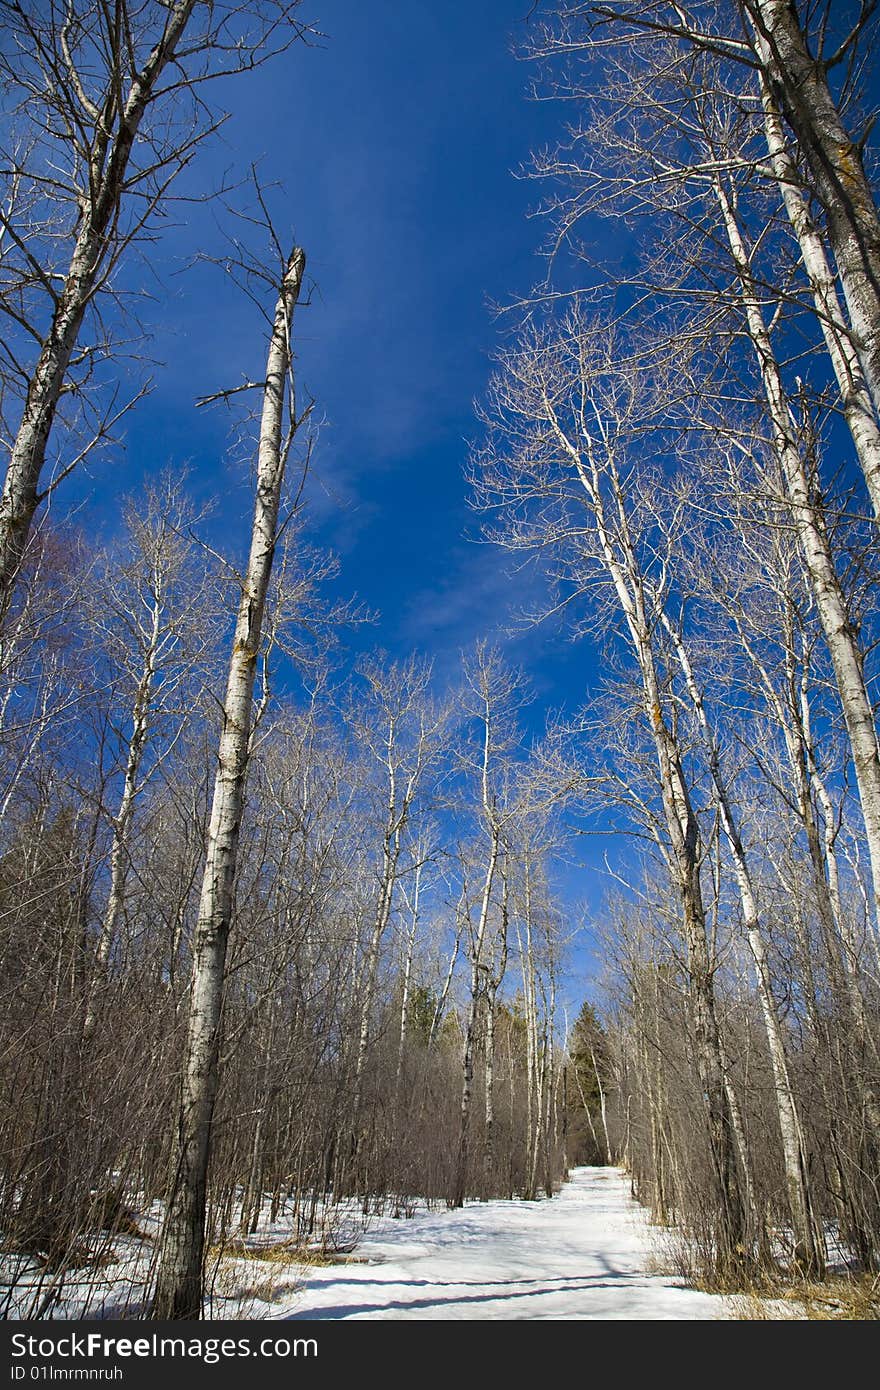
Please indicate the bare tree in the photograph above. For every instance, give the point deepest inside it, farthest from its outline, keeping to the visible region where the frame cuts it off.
(858, 407)
(495, 693)
(808, 1244)
(750, 56)
(800, 80)
(791, 442)
(179, 1284)
(153, 614)
(404, 732)
(558, 469)
(105, 112)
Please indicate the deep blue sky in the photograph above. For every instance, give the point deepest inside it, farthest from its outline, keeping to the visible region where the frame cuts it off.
(395, 144)
(395, 141)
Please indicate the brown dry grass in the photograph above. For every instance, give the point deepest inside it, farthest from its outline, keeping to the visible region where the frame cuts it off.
(284, 1252)
(843, 1298)
(265, 1271)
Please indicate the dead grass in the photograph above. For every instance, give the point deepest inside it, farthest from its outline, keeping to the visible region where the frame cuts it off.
(770, 1293)
(283, 1252)
(245, 1273)
(843, 1298)
(265, 1271)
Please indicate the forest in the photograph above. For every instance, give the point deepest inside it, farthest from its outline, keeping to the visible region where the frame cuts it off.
(287, 919)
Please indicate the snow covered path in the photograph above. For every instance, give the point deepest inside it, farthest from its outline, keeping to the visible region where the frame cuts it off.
(585, 1254)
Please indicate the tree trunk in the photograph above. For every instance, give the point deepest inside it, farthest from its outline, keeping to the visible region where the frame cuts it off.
(843, 646)
(858, 407)
(470, 1032)
(495, 973)
(180, 1277)
(119, 850)
(489, 1139)
(808, 1251)
(407, 981)
(800, 84)
(109, 163)
(683, 831)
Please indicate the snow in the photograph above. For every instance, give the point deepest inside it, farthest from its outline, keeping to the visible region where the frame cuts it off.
(587, 1253)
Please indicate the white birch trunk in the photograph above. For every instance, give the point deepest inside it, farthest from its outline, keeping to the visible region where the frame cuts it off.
(801, 86)
(858, 407)
(603, 1110)
(532, 1086)
(180, 1275)
(549, 1111)
(493, 825)
(390, 854)
(496, 975)
(407, 978)
(793, 718)
(470, 1031)
(682, 829)
(119, 850)
(110, 156)
(849, 966)
(403, 787)
(842, 641)
(808, 1250)
(540, 1106)
(489, 1136)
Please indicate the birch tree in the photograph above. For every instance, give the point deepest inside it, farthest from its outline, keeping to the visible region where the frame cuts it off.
(706, 136)
(754, 56)
(495, 693)
(797, 58)
(179, 1282)
(153, 615)
(403, 732)
(790, 443)
(557, 471)
(103, 112)
(859, 409)
(800, 79)
(808, 1248)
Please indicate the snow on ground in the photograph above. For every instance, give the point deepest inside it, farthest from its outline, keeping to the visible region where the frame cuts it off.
(587, 1253)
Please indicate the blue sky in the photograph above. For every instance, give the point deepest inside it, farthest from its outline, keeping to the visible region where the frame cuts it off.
(395, 140)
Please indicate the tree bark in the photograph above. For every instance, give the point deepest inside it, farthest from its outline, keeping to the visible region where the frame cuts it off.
(843, 646)
(180, 1277)
(808, 1249)
(800, 83)
(858, 407)
(110, 154)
